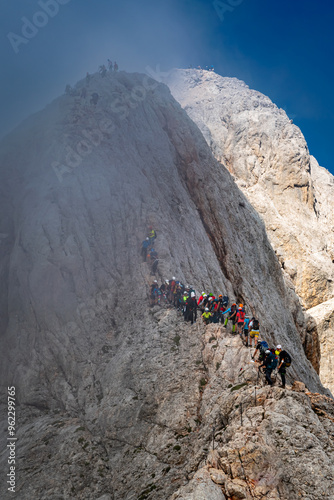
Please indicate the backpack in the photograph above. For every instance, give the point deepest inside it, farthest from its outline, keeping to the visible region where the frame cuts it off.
(225, 300)
(263, 346)
(287, 360)
(241, 316)
(255, 324)
(273, 361)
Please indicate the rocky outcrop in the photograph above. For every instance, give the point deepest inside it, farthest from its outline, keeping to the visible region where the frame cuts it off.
(323, 315)
(268, 156)
(117, 400)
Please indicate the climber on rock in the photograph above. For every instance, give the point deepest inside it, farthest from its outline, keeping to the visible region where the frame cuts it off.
(246, 330)
(269, 363)
(253, 331)
(144, 248)
(284, 361)
(191, 308)
(260, 348)
(240, 319)
(206, 316)
(152, 234)
(154, 293)
(232, 313)
(172, 285)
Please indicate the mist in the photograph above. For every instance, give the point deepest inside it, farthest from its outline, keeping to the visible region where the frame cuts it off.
(278, 49)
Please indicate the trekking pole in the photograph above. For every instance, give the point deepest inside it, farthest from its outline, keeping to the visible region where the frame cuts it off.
(241, 414)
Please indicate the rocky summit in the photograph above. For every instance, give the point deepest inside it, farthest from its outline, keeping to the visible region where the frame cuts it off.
(116, 399)
(269, 159)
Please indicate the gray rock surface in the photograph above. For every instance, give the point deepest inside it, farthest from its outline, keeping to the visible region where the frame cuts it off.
(116, 399)
(268, 156)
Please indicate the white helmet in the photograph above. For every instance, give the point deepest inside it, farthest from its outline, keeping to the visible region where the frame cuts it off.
(173, 278)
(206, 309)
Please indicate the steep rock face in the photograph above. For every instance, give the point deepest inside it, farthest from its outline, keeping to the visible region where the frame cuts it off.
(269, 158)
(324, 317)
(108, 388)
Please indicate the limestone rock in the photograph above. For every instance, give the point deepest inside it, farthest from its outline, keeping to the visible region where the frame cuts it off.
(298, 386)
(115, 397)
(269, 158)
(217, 476)
(323, 315)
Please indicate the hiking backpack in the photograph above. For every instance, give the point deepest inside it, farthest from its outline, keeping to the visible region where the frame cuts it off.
(225, 300)
(255, 325)
(287, 360)
(263, 346)
(273, 361)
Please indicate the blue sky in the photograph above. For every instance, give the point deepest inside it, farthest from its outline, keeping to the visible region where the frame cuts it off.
(279, 47)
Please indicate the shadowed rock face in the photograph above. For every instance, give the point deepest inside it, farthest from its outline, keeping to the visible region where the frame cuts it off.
(115, 398)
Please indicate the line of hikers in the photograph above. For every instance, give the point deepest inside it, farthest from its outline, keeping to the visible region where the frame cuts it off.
(213, 310)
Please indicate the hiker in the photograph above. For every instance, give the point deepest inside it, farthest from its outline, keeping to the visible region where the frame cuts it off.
(115, 66)
(110, 66)
(216, 309)
(152, 234)
(87, 78)
(254, 331)
(246, 329)
(94, 99)
(144, 248)
(155, 263)
(154, 292)
(261, 347)
(172, 285)
(191, 308)
(269, 363)
(200, 302)
(232, 312)
(184, 307)
(177, 295)
(206, 316)
(284, 361)
(240, 319)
